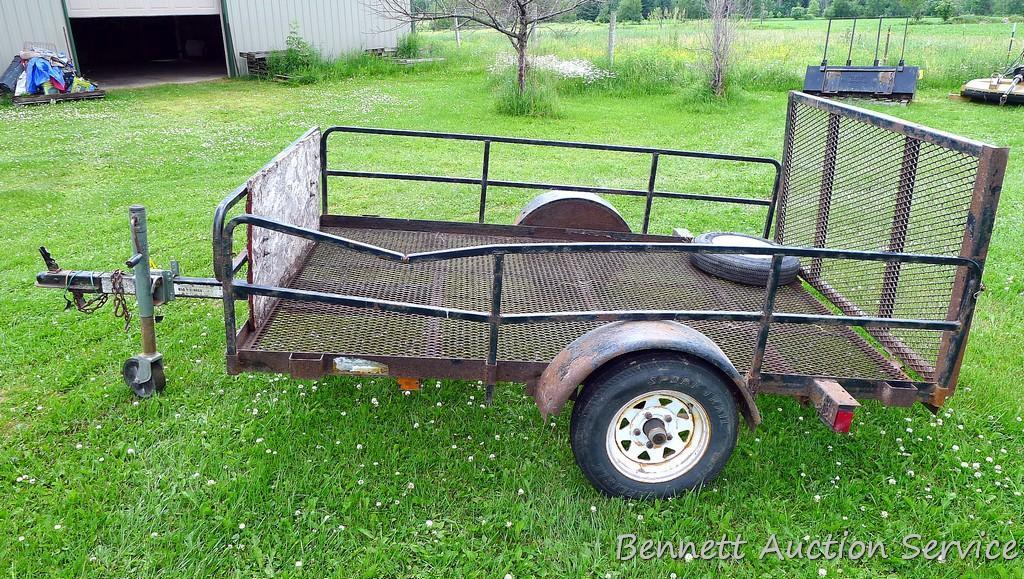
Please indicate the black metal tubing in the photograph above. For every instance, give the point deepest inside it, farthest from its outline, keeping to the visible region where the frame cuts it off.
(484, 182)
(494, 318)
(219, 217)
(592, 247)
(223, 267)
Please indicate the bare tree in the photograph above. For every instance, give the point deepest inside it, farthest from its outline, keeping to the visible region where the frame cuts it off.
(516, 19)
(718, 42)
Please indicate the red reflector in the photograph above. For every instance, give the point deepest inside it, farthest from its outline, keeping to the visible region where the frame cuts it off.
(843, 421)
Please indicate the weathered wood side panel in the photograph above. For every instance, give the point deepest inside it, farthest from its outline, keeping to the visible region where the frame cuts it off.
(286, 189)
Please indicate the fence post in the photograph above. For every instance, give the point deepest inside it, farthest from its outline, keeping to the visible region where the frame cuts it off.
(611, 38)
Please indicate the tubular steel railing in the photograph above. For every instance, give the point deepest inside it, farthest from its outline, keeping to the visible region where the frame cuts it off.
(650, 193)
(495, 319)
(788, 189)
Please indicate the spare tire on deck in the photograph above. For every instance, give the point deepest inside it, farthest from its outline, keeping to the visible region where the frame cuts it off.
(742, 268)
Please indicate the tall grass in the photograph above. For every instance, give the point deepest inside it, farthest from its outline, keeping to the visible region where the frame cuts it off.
(540, 99)
(664, 57)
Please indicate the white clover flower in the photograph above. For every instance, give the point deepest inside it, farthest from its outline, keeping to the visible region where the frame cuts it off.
(568, 69)
(429, 523)
(885, 514)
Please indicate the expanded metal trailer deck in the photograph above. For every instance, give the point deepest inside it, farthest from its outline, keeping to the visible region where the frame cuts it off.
(549, 283)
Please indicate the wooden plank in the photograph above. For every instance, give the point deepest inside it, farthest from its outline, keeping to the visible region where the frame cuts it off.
(53, 98)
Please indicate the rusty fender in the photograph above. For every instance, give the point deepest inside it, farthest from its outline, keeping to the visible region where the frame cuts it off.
(578, 360)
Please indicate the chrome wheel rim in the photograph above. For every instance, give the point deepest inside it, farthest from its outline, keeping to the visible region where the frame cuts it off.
(674, 418)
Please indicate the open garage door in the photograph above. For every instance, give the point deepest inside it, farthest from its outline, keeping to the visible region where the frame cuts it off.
(132, 43)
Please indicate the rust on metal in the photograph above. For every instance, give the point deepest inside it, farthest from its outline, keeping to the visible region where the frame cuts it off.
(408, 384)
(571, 367)
(834, 404)
(572, 210)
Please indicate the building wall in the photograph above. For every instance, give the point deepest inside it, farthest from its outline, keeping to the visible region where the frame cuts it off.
(334, 27)
(103, 8)
(30, 20)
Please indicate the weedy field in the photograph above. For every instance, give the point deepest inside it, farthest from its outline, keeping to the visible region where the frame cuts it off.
(264, 475)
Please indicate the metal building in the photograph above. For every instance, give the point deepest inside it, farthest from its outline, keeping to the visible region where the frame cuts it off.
(193, 39)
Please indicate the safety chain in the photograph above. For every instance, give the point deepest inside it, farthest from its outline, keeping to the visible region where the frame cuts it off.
(89, 306)
(77, 301)
(120, 305)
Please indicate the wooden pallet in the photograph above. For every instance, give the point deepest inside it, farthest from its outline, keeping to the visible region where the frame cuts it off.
(38, 99)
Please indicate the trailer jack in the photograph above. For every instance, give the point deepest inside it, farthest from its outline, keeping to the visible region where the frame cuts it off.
(143, 372)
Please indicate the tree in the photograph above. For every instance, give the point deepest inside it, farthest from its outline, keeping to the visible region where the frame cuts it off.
(841, 9)
(718, 42)
(814, 9)
(945, 9)
(913, 8)
(692, 8)
(798, 13)
(630, 11)
(588, 10)
(515, 19)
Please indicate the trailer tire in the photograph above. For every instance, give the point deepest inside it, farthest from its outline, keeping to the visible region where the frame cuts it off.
(740, 268)
(632, 402)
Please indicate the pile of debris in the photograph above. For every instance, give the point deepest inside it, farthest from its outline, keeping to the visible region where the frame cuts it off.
(40, 74)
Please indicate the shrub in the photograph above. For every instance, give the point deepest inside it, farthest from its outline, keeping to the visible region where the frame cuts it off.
(945, 9)
(409, 46)
(296, 59)
(798, 13)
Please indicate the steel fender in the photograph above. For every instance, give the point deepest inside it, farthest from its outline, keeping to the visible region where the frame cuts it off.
(578, 360)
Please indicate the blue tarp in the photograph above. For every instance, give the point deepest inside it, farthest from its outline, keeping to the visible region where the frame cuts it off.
(38, 71)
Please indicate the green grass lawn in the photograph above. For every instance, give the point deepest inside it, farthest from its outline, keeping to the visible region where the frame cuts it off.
(261, 475)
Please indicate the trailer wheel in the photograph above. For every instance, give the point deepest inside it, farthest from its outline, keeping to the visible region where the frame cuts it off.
(144, 389)
(653, 426)
(740, 268)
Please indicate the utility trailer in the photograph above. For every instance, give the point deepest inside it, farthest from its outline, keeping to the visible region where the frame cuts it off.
(879, 231)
